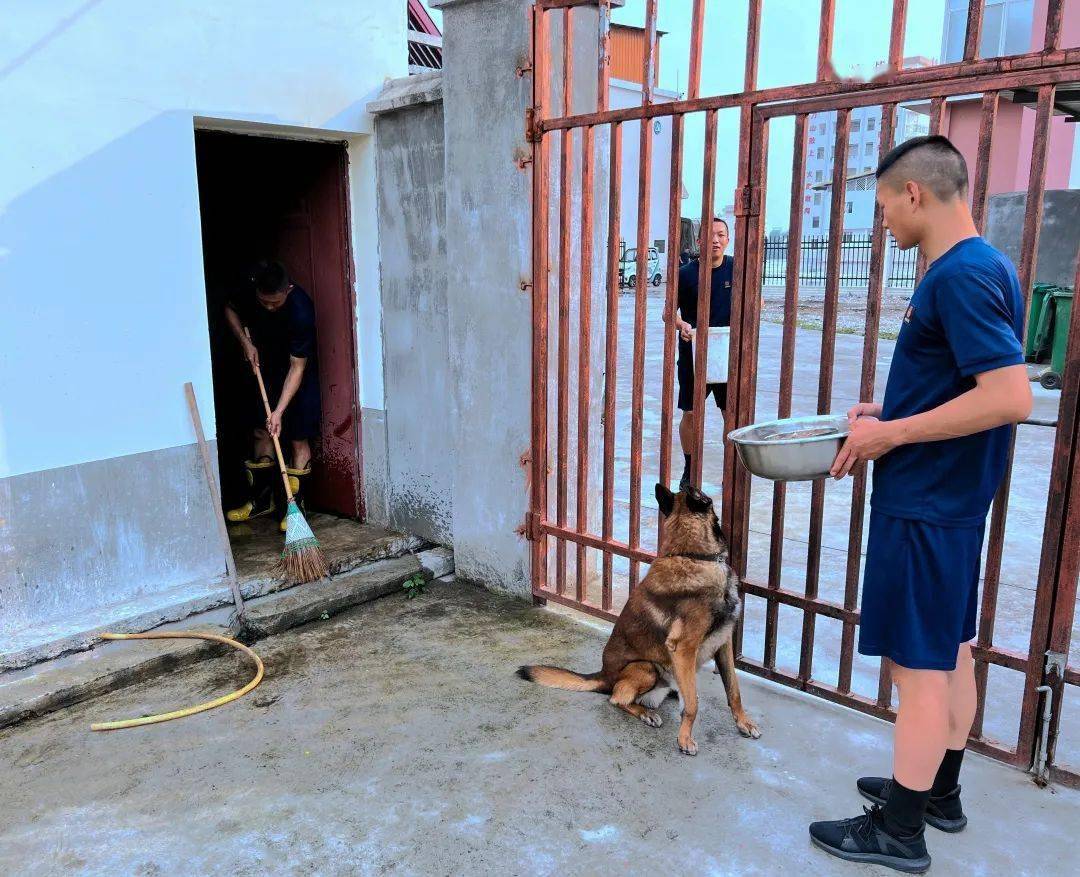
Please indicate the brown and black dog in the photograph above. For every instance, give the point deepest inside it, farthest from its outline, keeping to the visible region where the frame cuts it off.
(679, 617)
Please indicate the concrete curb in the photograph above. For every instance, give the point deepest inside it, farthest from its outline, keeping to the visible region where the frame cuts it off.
(46, 688)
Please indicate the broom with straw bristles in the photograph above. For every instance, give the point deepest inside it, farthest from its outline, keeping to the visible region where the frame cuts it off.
(302, 560)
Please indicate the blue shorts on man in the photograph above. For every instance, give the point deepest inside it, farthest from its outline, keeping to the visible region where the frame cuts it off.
(930, 500)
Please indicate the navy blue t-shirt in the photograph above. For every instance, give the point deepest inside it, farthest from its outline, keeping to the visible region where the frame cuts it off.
(965, 318)
(720, 301)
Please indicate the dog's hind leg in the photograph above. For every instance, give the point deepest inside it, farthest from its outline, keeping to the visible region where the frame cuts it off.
(725, 666)
(651, 700)
(635, 680)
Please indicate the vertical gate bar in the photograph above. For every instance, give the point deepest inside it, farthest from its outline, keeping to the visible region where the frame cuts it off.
(866, 394)
(981, 189)
(751, 157)
(667, 394)
(825, 378)
(988, 600)
(1054, 11)
(610, 353)
(1067, 520)
(701, 332)
(974, 30)
(749, 295)
(584, 364)
(937, 112)
(787, 375)
(896, 34)
(888, 131)
(825, 39)
(644, 205)
(566, 164)
(540, 272)
(1029, 244)
(753, 45)
(697, 36)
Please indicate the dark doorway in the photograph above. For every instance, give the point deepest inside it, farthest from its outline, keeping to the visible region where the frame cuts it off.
(286, 200)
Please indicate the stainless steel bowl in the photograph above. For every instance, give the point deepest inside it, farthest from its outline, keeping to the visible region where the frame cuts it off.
(793, 449)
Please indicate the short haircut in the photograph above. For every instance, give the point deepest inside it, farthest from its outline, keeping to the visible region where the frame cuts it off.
(269, 277)
(932, 162)
(727, 227)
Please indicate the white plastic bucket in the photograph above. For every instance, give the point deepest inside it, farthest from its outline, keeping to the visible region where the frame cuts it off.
(716, 369)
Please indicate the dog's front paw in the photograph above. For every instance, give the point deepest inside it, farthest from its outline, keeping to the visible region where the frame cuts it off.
(687, 746)
(652, 718)
(748, 728)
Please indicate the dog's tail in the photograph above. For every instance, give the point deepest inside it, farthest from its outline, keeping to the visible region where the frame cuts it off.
(557, 677)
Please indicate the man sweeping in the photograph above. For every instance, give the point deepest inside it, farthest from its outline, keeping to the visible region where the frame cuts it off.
(941, 440)
(280, 318)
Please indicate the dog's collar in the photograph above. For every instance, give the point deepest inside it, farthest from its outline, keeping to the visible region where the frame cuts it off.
(715, 558)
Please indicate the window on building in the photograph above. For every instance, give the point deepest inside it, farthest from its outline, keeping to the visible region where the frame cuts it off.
(849, 207)
(868, 149)
(821, 152)
(871, 124)
(817, 198)
(818, 176)
(816, 222)
(867, 169)
(856, 125)
(1006, 28)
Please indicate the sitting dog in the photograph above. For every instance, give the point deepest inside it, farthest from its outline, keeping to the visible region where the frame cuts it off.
(679, 617)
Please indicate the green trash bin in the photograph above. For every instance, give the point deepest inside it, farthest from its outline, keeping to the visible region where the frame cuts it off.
(1061, 305)
(1040, 323)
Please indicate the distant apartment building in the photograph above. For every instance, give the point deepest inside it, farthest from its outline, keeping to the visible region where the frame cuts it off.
(863, 149)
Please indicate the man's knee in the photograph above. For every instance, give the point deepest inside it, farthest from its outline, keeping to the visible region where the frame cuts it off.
(261, 435)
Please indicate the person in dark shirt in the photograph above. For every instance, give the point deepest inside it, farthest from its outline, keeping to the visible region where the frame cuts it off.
(280, 318)
(685, 324)
(941, 439)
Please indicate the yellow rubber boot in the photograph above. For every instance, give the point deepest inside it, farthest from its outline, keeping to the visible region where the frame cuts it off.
(297, 477)
(261, 500)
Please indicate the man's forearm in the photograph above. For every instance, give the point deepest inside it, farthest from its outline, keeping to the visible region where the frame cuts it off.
(233, 319)
(977, 410)
(292, 383)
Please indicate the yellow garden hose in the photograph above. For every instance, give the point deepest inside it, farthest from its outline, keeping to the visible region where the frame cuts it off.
(191, 710)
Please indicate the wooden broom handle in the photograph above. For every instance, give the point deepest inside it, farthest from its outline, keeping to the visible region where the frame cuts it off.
(266, 406)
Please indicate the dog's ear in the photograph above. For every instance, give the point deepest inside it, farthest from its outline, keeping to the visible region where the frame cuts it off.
(665, 499)
(697, 502)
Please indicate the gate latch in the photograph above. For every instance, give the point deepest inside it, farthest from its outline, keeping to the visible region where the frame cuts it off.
(1053, 672)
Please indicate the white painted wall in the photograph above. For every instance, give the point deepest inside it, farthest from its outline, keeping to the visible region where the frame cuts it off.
(623, 95)
(100, 250)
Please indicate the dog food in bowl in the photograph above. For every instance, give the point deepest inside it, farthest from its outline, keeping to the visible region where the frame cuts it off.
(793, 449)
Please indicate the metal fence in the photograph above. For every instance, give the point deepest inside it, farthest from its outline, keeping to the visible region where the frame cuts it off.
(855, 249)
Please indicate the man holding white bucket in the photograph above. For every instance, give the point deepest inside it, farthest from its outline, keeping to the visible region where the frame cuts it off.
(686, 322)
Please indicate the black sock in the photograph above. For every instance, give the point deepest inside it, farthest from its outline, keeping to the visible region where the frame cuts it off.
(948, 775)
(686, 459)
(904, 810)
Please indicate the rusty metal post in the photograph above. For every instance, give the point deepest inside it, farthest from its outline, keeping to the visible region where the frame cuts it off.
(644, 206)
(610, 356)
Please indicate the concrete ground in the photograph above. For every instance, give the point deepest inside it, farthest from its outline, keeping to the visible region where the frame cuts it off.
(395, 738)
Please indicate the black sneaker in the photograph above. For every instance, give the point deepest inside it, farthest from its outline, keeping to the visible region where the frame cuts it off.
(945, 813)
(864, 839)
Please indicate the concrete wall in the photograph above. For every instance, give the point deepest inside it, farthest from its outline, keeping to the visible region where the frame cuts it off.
(418, 458)
(101, 263)
(1059, 239)
(488, 228)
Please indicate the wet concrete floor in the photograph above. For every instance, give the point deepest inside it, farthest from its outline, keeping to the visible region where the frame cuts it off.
(395, 738)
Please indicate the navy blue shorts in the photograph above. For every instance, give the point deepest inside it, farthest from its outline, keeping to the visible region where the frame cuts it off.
(920, 591)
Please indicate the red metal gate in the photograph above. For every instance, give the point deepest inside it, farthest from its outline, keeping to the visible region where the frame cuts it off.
(1043, 668)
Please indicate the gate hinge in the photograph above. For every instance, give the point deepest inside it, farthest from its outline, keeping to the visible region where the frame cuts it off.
(532, 526)
(1053, 673)
(531, 134)
(748, 201)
